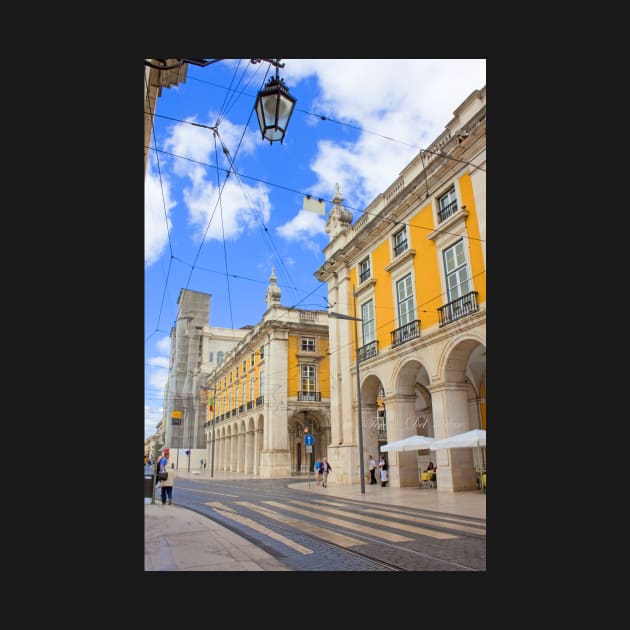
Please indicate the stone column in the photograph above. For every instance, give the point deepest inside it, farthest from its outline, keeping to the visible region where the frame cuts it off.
(274, 458)
(403, 465)
(343, 451)
(450, 416)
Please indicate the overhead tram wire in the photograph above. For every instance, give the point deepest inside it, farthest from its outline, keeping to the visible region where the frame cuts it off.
(220, 189)
(168, 232)
(386, 325)
(231, 161)
(225, 259)
(356, 127)
(224, 109)
(265, 228)
(352, 209)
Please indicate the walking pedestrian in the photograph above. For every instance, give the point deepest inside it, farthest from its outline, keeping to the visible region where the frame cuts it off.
(166, 485)
(162, 459)
(383, 466)
(325, 468)
(318, 472)
(372, 469)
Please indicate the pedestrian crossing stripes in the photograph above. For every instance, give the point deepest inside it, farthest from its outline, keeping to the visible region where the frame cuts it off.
(331, 516)
(371, 531)
(343, 540)
(436, 522)
(244, 520)
(460, 523)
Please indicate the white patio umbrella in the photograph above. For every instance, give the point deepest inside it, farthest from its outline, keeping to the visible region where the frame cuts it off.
(469, 439)
(411, 443)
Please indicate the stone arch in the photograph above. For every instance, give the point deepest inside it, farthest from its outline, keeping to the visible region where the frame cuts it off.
(464, 361)
(460, 385)
(373, 414)
(318, 425)
(409, 410)
(453, 360)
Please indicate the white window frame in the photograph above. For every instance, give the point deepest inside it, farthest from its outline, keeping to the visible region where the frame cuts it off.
(451, 194)
(305, 343)
(309, 379)
(369, 269)
(457, 278)
(397, 238)
(407, 314)
(368, 322)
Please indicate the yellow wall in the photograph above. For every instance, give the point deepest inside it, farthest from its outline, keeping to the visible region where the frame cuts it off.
(293, 374)
(474, 244)
(323, 367)
(383, 300)
(426, 267)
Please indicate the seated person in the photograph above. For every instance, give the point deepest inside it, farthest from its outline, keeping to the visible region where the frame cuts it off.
(431, 466)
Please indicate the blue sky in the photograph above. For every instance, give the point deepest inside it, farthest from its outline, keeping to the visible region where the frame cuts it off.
(222, 237)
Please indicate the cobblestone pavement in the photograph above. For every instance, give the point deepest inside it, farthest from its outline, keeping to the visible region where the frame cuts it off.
(309, 528)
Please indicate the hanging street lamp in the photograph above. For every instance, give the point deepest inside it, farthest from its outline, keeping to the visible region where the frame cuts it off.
(274, 106)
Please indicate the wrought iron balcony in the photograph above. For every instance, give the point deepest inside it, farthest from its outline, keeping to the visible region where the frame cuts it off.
(309, 396)
(400, 247)
(461, 307)
(405, 333)
(368, 351)
(445, 212)
(260, 401)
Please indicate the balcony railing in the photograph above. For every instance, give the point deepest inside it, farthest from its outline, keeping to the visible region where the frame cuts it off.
(405, 333)
(400, 247)
(241, 408)
(445, 212)
(250, 404)
(461, 307)
(309, 396)
(260, 401)
(368, 351)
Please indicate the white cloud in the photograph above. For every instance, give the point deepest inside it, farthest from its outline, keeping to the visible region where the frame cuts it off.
(164, 345)
(302, 228)
(156, 378)
(241, 207)
(157, 207)
(152, 416)
(407, 100)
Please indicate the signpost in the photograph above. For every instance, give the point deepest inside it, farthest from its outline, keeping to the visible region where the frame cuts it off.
(309, 440)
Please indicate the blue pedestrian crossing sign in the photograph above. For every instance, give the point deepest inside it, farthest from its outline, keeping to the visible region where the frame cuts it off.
(309, 440)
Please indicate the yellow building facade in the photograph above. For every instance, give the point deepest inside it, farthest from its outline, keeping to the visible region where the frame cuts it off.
(412, 271)
(270, 389)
